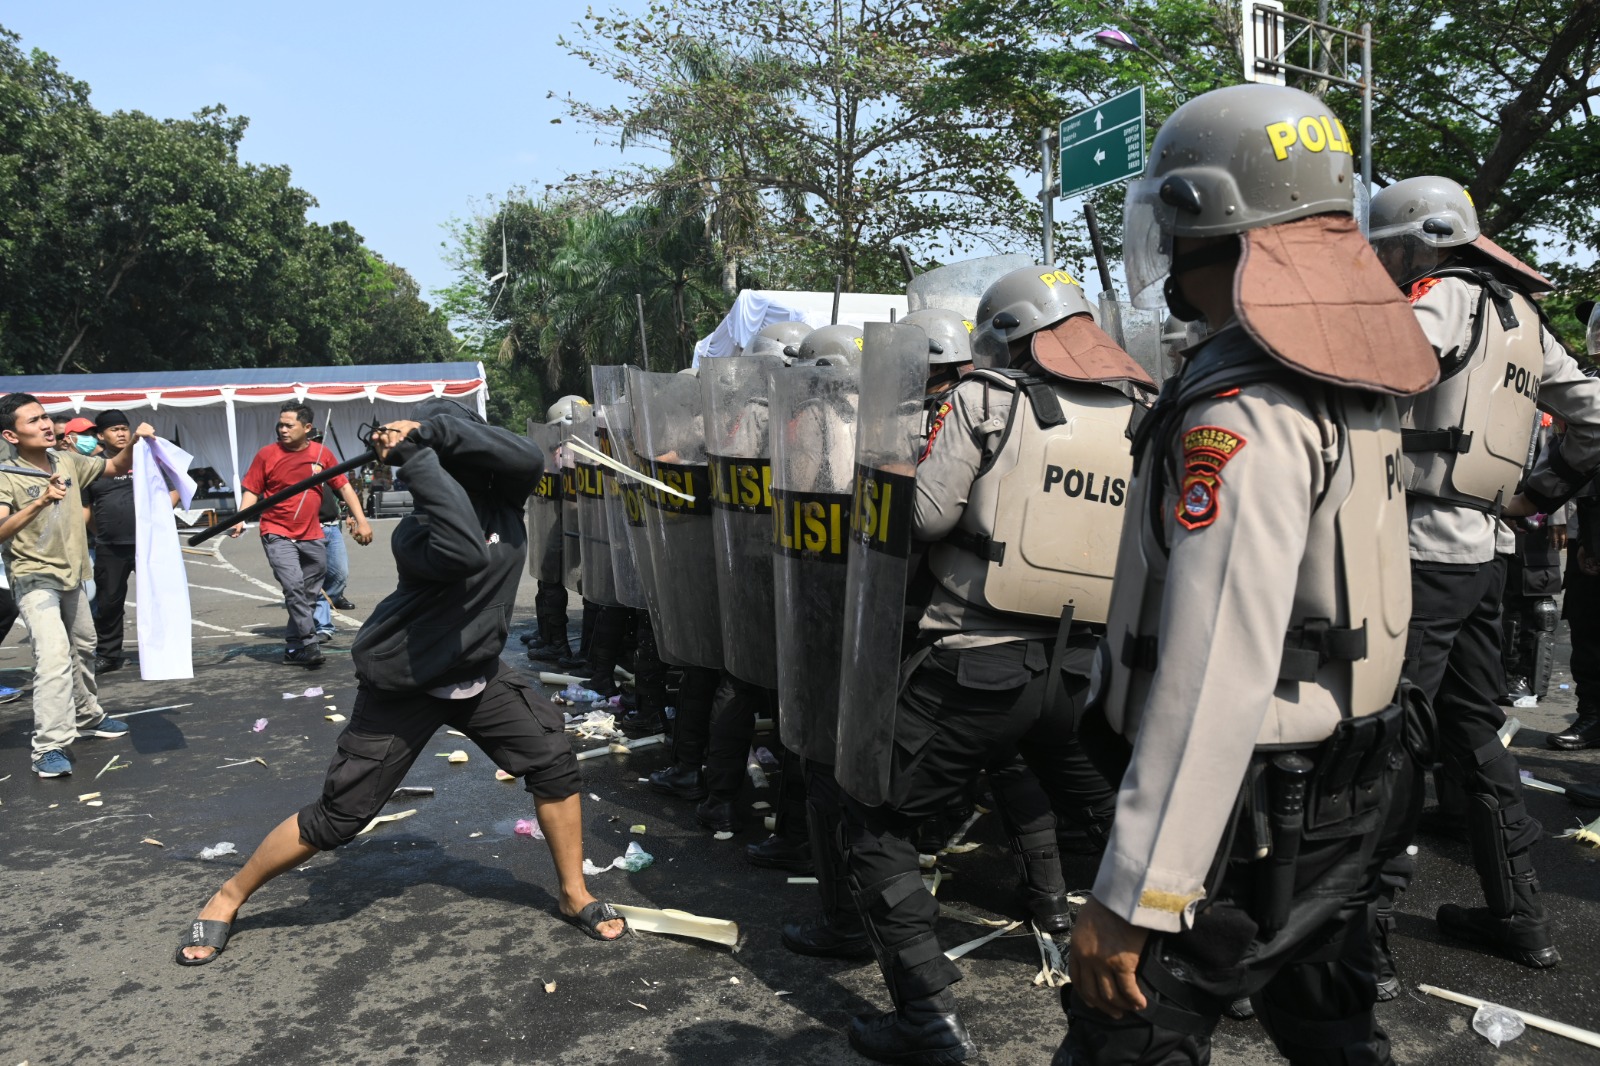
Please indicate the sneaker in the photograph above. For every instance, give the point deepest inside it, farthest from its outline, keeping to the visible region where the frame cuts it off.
(106, 729)
(52, 764)
(9, 694)
(307, 655)
(324, 636)
(105, 664)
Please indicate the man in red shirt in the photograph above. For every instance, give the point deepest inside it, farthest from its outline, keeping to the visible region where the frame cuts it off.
(291, 532)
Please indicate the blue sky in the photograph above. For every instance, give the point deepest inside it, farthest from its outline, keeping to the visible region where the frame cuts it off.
(395, 116)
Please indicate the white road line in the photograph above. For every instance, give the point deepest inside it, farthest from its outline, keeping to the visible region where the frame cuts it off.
(236, 592)
(346, 619)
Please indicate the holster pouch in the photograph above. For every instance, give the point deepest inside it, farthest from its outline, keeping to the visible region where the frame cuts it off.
(1352, 766)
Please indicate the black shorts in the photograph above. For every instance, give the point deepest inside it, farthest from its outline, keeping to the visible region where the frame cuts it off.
(515, 726)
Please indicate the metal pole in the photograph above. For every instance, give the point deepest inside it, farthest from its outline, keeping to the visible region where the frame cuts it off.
(644, 345)
(905, 262)
(1047, 199)
(1099, 247)
(838, 287)
(1366, 105)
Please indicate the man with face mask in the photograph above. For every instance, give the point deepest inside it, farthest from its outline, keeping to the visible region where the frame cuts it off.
(1249, 678)
(1465, 443)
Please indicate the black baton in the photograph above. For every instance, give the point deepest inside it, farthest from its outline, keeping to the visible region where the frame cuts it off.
(260, 507)
(1289, 774)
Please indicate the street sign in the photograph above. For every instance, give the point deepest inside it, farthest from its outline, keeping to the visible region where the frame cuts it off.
(1103, 145)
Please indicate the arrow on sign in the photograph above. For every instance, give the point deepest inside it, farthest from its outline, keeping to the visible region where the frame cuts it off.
(1099, 156)
(1099, 120)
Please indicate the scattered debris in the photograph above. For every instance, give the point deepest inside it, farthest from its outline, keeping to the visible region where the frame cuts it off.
(454, 757)
(972, 945)
(765, 725)
(960, 914)
(636, 829)
(771, 823)
(308, 694)
(380, 819)
(733, 980)
(455, 732)
(152, 840)
(596, 725)
(960, 834)
(549, 987)
(218, 850)
(151, 710)
(261, 723)
(1493, 1022)
(1529, 781)
(473, 836)
(765, 757)
(108, 766)
(331, 707)
(641, 1006)
(961, 849)
(529, 827)
(95, 803)
(592, 753)
(88, 796)
(802, 880)
(548, 678)
(1052, 966)
(242, 762)
(680, 923)
(501, 775)
(722, 835)
(780, 992)
(594, 797)
(932, 883)
(1509, 729)
(761, 805)
(412, 790)
(334, 717)
(758, 776)
(636, 858)
(1571, 1032)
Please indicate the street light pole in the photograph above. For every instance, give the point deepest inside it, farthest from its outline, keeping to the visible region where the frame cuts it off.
(1047, 199)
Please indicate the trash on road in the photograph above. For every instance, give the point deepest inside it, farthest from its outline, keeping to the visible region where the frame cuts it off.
(549, 986)
(87, 796)
(972, 945)
(152, 840)
(1571, 1032)
(261, 723)
(216, 851)
(412, 790)
(529, 827)
(501, 775)
(636, 829)
(1052, 968)
(399, 816)
(242, 762)
(681, 923)
(1496, 1024)
(334, 717)
(455, 757)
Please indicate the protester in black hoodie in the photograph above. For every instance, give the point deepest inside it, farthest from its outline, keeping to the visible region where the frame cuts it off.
(429, 656)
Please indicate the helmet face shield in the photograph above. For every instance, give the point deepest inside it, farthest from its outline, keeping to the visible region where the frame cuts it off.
(1406, 253)
(1147, 226)
(990, 349)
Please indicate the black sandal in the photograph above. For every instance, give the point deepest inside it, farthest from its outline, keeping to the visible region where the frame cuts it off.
(204, 933)
(590, 917)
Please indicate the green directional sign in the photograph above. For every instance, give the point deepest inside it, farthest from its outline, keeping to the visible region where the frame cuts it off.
(1103, 144)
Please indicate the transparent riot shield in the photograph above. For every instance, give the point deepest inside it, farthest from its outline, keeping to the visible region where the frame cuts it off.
(571, 537)
(612, 416)
(544, 508)
(734, 390)
(813, 439)
(958, 286)
(894, 377)
(594, 553)
(1151, 336)
(669, 437)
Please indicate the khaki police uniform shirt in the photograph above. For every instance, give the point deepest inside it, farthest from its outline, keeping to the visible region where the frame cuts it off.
(53, 549)
(1443, 532)
(960, 436)
(1229, 589)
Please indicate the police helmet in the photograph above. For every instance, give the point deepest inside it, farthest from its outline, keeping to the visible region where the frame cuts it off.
(1415, 224)
(1231, 160)
(566, 410)
(1019, 304)
(1588, 313)
(774, 337)
(827, 346)
(949, 335)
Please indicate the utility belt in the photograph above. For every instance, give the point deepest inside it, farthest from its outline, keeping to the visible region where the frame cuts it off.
(1337, 789)
(1306, 649)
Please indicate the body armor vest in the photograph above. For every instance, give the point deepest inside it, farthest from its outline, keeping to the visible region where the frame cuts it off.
(1466, 439)
(1352, 600)
(1044, 516)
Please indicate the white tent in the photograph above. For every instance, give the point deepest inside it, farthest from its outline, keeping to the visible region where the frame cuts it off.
(756, 308)
(223, 417)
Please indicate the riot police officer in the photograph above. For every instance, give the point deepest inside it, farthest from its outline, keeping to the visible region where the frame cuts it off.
(1019, 492)
(1256, 633)
(549, 642)
(1581, 605)
(1464, 445)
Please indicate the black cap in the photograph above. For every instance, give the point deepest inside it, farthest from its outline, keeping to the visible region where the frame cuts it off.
(107, 419)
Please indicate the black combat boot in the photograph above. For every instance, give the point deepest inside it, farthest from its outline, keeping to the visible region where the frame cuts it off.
(715, 814)
(1584, 733)
(684, 782)
(925, 1032)
(1514, 923)
(781, 853)
(838, 934)
(1522, 936)
(1042, 888)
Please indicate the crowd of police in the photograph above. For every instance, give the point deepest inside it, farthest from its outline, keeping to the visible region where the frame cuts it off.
(1216, 634)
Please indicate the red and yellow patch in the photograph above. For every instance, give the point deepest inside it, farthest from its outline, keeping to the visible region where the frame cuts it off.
(933, 429)
(1421, 288)
(1206, 450)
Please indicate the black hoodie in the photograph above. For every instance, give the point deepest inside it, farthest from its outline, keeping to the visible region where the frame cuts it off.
(459, 555)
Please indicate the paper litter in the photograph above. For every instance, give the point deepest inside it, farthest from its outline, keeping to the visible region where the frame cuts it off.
(972, 945)
(473, 836)
(95, 803)
(549, 986)
(596, 725)
(87, 796)
(454, 757)
(723, 835)
(501, 775)
(638, 829)
(152, 840)
(681, 923)
(217, 851)
(334, 717)
(399, 816)
(1053, 968)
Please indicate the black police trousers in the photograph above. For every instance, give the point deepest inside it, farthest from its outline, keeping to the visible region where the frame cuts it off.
(1312, 982)
(734, 710)
(959, 713)
(1453, 654)
(1581, 609)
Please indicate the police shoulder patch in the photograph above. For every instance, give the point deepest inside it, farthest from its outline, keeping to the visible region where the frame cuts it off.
(933, 429)
(1421, 287)
(1206, 450)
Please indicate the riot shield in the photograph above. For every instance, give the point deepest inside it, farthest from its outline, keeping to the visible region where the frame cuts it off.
(812, 435)
(1145, 334)
(669, 438)
(894, 376)
(594, 553)
(612, 416)
(734, 391)
(958, 286)
(544, 507)
(571, 537)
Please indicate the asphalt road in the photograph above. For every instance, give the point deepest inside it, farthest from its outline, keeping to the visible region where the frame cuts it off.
(430, 940)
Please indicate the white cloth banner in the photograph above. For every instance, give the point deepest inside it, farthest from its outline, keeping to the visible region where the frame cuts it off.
(166, 639)
(755, 308)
